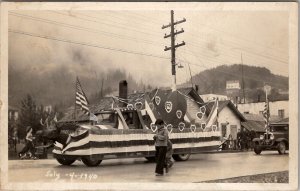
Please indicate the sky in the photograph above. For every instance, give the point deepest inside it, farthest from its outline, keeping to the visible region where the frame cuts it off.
(90, 43)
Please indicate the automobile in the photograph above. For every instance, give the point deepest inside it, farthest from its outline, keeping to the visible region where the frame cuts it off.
(117, 137)
(277, 138)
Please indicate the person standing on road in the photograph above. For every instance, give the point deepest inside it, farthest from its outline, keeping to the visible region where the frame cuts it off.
(161, 141)
(29, 144)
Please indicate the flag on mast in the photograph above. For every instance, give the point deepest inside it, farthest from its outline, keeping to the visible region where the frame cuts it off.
(81, 99)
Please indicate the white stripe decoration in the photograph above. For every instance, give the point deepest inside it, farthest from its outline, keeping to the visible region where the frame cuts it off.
(199, 115)
(130, 106)
(151, 105)
(168, 106)
(186, 118)
(153, 127)
(202, 109)
(214, 128)
(157, 100)
(170, 128)
(203, 125)
(88, 152)
(181, 126)
(59, 145)
(128, 137)
(193, 128)
(138, 105)
(179, 114)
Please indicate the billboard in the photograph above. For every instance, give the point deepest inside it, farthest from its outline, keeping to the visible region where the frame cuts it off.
(233, 85)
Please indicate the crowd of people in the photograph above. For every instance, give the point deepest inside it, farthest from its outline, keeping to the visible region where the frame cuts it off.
(242, 142)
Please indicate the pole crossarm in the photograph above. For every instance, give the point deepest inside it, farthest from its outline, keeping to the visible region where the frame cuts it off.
(176, 46)
(175, 33)
(175, 23)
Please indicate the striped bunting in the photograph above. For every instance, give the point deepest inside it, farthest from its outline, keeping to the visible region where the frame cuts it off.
(128, 149)
(81, 99)
(111, 143)
(213, 116)
(266, 114)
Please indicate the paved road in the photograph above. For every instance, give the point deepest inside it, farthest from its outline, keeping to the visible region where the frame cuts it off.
(200, 167)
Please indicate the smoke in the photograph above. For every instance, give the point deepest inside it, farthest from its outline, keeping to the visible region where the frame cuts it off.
(211, 45)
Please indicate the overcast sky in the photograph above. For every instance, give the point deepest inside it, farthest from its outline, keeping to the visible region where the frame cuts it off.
(89, 42)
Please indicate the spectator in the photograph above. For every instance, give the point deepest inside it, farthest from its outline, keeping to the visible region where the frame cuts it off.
(29, 144)
(161, 139)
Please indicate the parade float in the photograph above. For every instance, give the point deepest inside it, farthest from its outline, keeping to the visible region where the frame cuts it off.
(126, 129)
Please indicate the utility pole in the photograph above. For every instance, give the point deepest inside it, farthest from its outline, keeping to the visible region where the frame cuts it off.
(243, 79)
(173, 46)
(101, 93)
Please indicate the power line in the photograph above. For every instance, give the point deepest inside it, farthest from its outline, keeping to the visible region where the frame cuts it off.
(107, 24)
(234, 36)
(112, 35)
(87, 44)
(221, 61)
(194, 43)
(142, 25)
(240, 47)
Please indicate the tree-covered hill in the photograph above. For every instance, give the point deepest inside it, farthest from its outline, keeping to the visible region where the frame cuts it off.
(214, 81)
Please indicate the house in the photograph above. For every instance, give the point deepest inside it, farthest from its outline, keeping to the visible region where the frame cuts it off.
(13, 113)
(256, 122)
(277, 108)
(229, 119)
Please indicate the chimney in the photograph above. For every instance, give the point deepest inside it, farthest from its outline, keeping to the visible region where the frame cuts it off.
(123, 92)
(197, 88)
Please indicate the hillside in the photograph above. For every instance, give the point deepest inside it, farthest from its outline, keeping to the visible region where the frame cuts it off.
(57, 88)
(214, 81)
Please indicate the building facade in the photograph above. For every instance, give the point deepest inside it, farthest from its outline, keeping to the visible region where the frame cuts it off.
(277, 108)
(229, 119)
(213, 97)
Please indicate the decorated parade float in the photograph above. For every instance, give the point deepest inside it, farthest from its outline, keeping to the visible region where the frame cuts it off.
(123, 126)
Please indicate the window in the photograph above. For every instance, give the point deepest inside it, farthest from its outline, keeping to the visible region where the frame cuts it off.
(107, 118)
(281, 128)
(246, 112)
(281, 113)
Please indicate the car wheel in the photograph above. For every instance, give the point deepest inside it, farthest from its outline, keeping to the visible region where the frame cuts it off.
(150, 159)
(181, 157)
(65, 161)
(257, 149)
(91, 162)
(281, 148)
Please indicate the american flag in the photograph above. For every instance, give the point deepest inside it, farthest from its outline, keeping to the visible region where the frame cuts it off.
(266, 114)
(81, 99)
